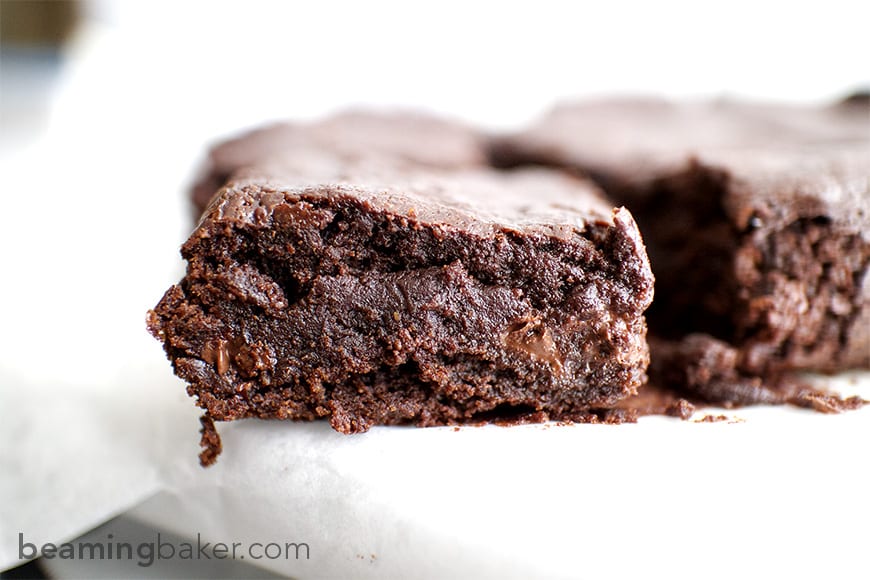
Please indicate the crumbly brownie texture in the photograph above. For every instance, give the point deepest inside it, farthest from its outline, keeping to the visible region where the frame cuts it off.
(391, 296)
(756, 220)
(771, 256)
(709, 370)
(413, 138)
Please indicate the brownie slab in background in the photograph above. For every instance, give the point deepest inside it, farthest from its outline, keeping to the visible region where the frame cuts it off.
(371, 292)
(757, 222)
(409, 137)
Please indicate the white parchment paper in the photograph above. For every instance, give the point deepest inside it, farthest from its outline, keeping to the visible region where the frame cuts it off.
(780, 493)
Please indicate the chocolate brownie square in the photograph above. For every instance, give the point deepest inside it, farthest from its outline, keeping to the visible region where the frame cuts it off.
(371, 291)
(757, 222)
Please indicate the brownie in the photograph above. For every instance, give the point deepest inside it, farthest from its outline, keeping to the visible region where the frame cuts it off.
(373, 291)
(414, 138)
(757, 223)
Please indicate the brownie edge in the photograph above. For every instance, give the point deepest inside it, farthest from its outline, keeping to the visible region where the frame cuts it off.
(409, 298)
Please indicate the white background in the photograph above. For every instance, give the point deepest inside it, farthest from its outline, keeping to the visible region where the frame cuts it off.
(93, 174)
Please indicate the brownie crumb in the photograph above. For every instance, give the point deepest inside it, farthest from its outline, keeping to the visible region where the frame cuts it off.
(713, 419)
(210, 442)
(708, 370)
(824, 402)
(681, 408)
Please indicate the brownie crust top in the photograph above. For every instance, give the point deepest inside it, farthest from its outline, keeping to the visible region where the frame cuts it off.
(637, 134)
(790, 161)
(477, 200)
(409, 138)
